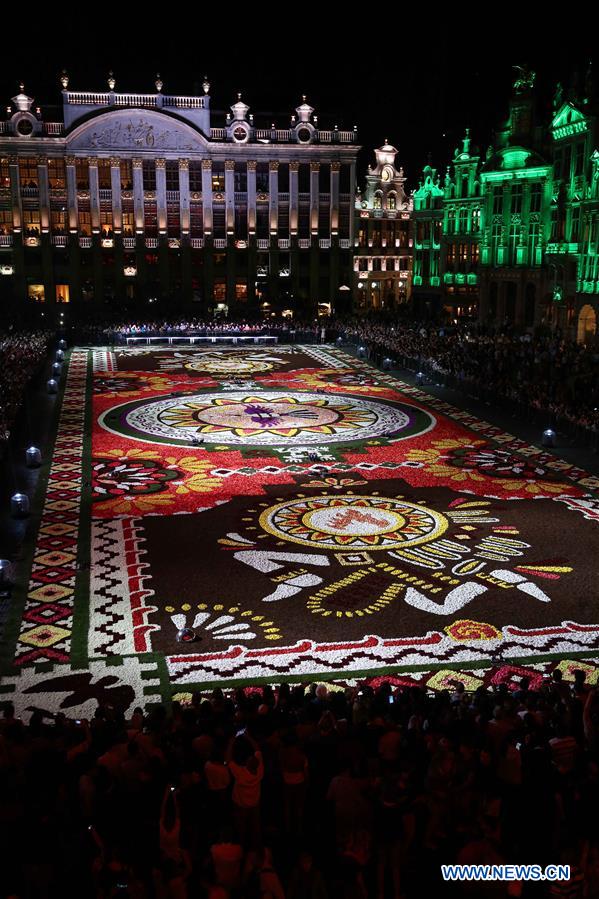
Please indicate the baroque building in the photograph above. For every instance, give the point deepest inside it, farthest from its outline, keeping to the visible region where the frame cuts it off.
(383, 246)
(143, 196)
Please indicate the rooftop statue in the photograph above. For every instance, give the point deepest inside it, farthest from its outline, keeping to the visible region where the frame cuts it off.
(524, 80)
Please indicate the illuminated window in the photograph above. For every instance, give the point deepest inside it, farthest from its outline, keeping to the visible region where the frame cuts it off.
(36, 293)
(104, 178)
(126, 174)
(392, 201)
(62, 293)
(378, 201)
(58, 221)
(56, 174)
(128, 223)
(218, 182)
(85, 223)
(497, 200)
(4, 173)
(476, 219)
(575, 225)
(517, 198)
(241, 291)
(6, 221)
(31, 222)
(149, 174)
(82, 174)
(106, 222)
(28, 172)
(172, 174)
(536, 194)
(514, 239)
(195, 177)
(219, 291)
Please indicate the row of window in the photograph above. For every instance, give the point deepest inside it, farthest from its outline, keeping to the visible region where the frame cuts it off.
(29, 175)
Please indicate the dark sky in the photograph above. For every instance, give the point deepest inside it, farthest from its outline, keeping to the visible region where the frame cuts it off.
(408, 80)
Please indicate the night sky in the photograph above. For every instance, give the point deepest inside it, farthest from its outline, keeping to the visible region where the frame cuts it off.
(396, 80)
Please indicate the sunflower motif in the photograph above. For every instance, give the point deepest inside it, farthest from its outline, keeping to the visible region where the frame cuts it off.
(499, 463)
(122, 477)
(122, 383)
(137, 481)
(464, 630)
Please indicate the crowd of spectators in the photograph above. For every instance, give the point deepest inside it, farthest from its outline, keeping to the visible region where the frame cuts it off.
(21, 354)
(304, 793)
(545, 377)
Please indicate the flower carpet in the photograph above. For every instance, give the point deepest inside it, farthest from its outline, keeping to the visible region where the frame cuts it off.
(233, 516)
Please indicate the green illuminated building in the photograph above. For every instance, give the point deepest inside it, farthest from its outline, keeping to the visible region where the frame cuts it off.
(427, 227)
(513, 238)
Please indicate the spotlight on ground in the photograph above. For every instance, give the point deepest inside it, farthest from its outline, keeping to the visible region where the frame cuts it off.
(33, 457)
(19, 505)
(549, 437)
(186, 635)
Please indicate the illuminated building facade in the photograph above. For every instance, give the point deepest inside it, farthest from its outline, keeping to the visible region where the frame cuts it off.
(382, 260)
(141, 196)
(427, 226)
(513, 238)
(462, 210)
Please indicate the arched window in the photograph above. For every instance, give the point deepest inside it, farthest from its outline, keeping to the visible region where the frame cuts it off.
(392, 201)
(378, 200)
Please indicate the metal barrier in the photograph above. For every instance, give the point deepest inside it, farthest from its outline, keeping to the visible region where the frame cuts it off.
(174, 341)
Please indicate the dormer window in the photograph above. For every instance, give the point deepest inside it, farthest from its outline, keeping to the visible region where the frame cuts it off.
(392, 201)
(304, 135)
(378, 201)
(24, 127)
(240, 134)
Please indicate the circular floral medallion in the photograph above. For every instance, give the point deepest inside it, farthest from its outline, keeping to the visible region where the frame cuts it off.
(129, 477)
(229, 365)
(361, 522)
(265, 419)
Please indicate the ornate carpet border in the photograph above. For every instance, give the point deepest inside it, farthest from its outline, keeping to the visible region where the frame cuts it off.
(306, 659)
(47, 621)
